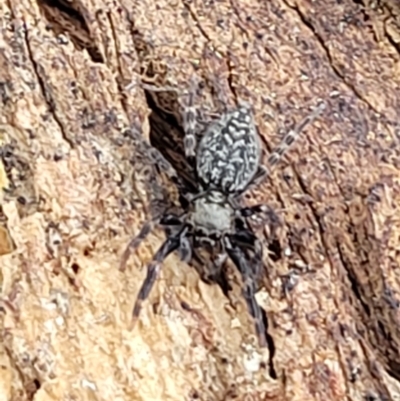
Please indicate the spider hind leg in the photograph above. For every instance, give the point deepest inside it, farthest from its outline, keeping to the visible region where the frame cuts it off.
(190, 119)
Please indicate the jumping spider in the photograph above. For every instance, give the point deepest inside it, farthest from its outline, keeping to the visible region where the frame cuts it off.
(227, 160)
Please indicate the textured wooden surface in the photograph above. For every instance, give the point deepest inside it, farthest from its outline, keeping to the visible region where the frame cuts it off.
(77, 187)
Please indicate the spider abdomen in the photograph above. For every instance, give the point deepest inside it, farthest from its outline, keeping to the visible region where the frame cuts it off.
(229, 152)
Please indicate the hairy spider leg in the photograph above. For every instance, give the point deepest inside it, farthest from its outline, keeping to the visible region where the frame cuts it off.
(287, 142)
(155, 156)
(211, 269)
(153, 270)
(268, 216)
(136, 241)
(191, 125)
(239, 259)
(267, 211)
(189, 117)
(244, 238)
(214, 268)
(185, 250)
(291, 137)
(163, 164)
(169, 219)
(261, 173)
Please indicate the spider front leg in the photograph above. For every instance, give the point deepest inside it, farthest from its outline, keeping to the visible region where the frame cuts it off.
(168, 219)
(267, 214)
(238, 257)
(261, 208)
(287, 142)
(153, 269)
(291, 137)
(213, 271)
(154, 155)
(208, 259)
(245, 239)
(164, 165)
(261, 173)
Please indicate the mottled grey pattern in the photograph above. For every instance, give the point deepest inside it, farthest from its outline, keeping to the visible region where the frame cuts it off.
(229, 152)
(227, 161)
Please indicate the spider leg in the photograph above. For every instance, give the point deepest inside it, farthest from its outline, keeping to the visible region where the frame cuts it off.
(168, 219)
(276, 155)
(185, 250)
(208, 260)
(136, 241)
(238, 258)
(267, 213)
(163, 164)
(213, 271)
(153, 154)
(153, 269)
(245, 238)
(190, 121)
(291, 137)
(261, 173)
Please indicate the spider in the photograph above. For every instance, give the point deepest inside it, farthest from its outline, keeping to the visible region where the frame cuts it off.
(228, 162)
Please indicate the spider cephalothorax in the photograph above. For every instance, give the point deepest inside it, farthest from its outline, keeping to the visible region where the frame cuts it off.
(227, 160)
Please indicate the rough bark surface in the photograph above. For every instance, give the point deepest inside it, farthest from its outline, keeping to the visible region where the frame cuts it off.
(77, 187)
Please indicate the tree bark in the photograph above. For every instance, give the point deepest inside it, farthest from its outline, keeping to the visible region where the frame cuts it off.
(79, 180)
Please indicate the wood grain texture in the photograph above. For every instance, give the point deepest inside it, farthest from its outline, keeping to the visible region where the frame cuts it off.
(78, 184)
